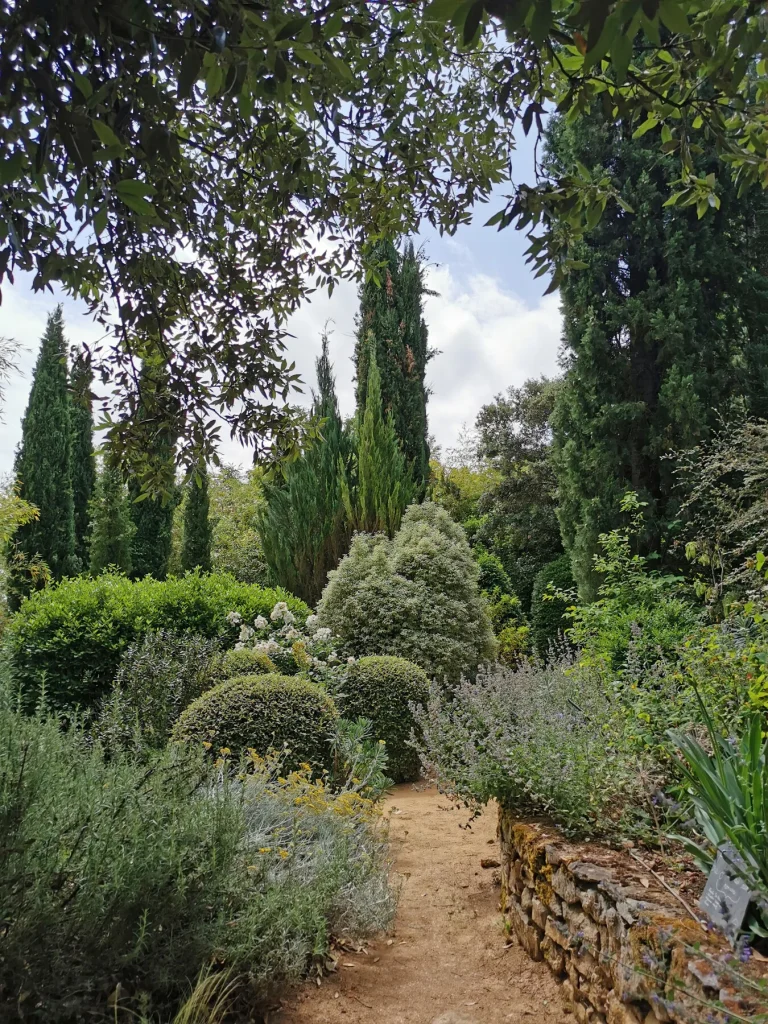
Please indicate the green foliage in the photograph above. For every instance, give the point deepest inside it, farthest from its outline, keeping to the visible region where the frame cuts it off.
(276, 130)
(459, 488)
(69, 639)
(514, 644)
(391, 323)
(666, 330)
(728, 785)
(245, 661)
(44, 462)
(359, 760)
(196, 546)
(504, 609)
(415, 596)
(83, 458)
(112, 527)
(635, 607)
(519, 508)
(235, 499)
(156, 871)
(548, 610)
(381, 484)
(493, 576)
(261, 713)
(302, 521)
(542, 740)
(159, 676)
(382, 689)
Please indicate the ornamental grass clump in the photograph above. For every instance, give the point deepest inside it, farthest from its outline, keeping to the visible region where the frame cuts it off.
(542, 740)
(262, 713)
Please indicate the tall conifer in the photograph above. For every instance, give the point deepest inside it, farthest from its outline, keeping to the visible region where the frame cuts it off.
(383, 485)
(44, 459)
(392, 313)
(153, 517)
(302, 524)
(83, 459)
(196, 544)
(112, 528)
(665, 329)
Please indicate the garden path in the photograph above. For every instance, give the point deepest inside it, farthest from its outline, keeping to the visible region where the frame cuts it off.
(446, 960)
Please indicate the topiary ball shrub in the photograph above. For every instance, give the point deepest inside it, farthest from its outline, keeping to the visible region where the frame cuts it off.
(246, 661)
(263, 713)
(548, 620)
(380, 688)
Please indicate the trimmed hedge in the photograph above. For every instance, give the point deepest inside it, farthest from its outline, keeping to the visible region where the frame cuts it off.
(263, 713)
(246, 661)
(380, 688)
(548, 620)
(71, 636)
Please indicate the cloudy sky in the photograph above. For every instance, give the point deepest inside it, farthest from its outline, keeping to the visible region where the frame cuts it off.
(489, 320)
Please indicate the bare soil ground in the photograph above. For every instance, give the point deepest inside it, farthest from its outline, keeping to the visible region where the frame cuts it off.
(447, 960)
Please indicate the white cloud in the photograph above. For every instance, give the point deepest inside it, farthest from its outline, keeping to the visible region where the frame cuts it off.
(487, 335)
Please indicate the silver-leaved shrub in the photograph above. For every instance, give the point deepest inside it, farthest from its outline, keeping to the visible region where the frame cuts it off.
(416, 596)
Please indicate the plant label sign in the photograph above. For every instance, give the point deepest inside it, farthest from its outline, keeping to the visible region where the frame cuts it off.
(726, 896)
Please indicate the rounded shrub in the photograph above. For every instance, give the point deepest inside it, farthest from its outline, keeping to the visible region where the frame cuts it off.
(71, 637)
(416, 596)
(493, 576)
(246, 661)
(548, 615)
(263, 713)
(380, 688)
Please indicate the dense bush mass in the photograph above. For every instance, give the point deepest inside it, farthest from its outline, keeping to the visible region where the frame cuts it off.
(545, 740)
(245, 661)
(382, 690)
(548, 619)
(416, 596)
(158, 677)
(119, 879)
(70, 638)
(263, 713)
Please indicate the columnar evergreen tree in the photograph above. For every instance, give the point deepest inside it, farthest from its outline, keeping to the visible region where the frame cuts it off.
(666, 329)
(392, 313)
(153, 517)
(44, 460)
(196, 546)
(83, 458)
(302, 523)
(112, 528)
(382, 485)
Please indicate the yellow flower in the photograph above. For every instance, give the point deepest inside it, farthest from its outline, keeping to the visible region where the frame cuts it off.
(207, 745)
(265, 849)
(283, 853)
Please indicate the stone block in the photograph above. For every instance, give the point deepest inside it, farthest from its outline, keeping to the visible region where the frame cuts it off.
(583, 871)
(555, 906)
(569, 993)
(528, 935)
(552, 855)
(539, 913)
(564, 885)
(525, 899)
(557, 932)
(554, 956)
(621, 1013)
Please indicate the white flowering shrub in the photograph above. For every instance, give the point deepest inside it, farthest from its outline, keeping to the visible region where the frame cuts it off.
(416, 596)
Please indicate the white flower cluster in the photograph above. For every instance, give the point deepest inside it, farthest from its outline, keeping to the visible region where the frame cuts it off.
(312, 621)
(260, 622)
(245, 634)
(323, 633)
(234, 618)
(282, 613)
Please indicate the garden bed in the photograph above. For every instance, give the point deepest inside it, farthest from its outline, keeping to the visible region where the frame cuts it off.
(623, 946)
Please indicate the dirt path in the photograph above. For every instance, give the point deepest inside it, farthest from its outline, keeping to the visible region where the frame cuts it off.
(446, 960)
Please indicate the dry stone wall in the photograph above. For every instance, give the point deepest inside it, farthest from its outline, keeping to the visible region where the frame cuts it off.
(622, 946)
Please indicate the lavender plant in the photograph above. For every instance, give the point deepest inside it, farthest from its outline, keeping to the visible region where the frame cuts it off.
(543, 740)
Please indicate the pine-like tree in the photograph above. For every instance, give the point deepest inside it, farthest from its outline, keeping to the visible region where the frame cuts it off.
(303, 525)
(392, 312)
(44, 462)
(153, 517)
(382, 486)
(83, 458)
(196, 545)
(112, 528)
(665, 329)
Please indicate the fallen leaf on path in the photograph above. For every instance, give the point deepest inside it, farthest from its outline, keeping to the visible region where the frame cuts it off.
(645, 882)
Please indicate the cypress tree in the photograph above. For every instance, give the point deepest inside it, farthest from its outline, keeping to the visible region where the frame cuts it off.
(392, 313)
(112, 528)
(665, 329)
(196, 546)
(44, 461)
(153, 517)
(383, 485)
(302, 523)
(83, 458)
